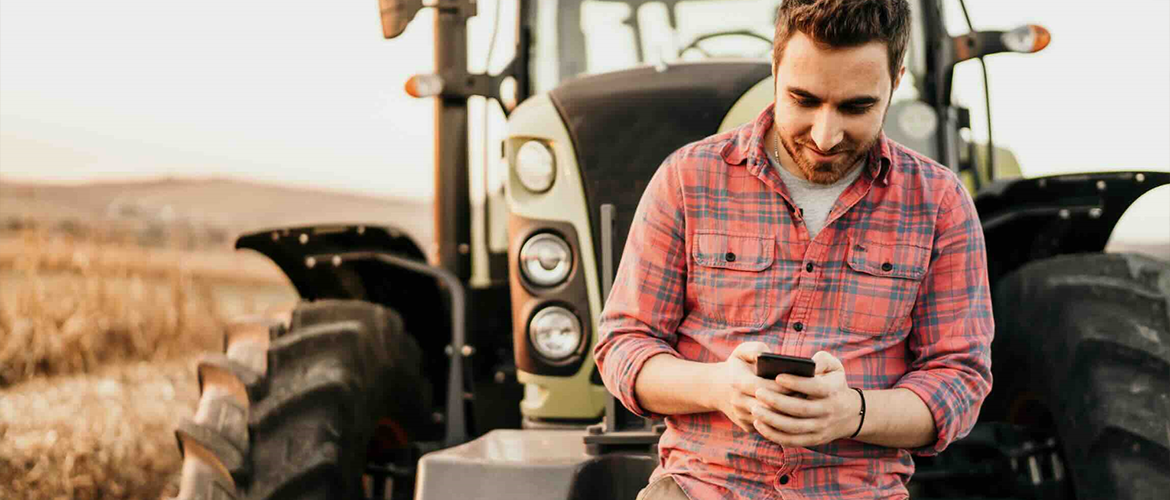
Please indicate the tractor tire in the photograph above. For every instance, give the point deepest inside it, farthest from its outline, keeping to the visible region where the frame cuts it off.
(1083, 344)
(288, 410)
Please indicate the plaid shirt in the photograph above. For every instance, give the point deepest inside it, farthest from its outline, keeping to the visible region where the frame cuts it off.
(895, 286)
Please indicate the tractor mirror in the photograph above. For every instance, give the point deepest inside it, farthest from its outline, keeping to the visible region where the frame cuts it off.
(396, 14)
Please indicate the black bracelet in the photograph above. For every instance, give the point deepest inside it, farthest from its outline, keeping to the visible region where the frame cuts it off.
(862, 413)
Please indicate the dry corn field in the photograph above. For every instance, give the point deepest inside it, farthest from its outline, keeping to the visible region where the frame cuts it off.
(98, 341)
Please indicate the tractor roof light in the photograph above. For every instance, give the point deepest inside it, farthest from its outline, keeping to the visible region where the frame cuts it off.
(1027, 39)
(535, 166)
(545, 260)
(555, 333)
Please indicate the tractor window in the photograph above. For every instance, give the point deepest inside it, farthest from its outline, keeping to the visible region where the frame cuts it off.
(968, 91)
(725, 29)
(580, 37)
(610, 42)
(1094, 100)
(658, 41)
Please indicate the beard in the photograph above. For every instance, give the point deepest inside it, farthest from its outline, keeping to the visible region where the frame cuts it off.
(826, 173)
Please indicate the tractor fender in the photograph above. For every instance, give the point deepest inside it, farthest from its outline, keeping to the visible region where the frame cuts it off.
(1033, 219)
(297, 251)
(305, 253)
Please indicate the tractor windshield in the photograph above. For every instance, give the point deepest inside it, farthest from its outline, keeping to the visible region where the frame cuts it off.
(1076, 107)
(582, 37)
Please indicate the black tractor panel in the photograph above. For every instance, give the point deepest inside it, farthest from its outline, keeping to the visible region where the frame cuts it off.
(624, 124)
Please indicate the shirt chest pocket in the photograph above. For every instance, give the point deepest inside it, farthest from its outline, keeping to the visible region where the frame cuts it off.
(880, 286)
(729, 282)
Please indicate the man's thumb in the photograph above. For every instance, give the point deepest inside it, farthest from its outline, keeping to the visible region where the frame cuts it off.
(826, 362)
(749, 351)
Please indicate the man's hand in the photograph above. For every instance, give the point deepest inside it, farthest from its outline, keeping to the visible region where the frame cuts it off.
(739, 385)
(829, 411)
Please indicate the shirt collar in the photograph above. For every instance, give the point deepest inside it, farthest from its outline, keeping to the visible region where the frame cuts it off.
(748, 143)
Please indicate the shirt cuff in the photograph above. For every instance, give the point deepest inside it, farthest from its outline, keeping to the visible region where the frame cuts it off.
(624, 373)
(940, 399)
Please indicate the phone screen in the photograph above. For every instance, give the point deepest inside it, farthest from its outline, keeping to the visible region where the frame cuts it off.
(770, 365)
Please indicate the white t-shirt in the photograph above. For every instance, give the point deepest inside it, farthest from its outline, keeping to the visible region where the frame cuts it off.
(815, 200)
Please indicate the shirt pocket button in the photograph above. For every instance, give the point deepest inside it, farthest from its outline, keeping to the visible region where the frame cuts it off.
(880, 286)
(729, 282)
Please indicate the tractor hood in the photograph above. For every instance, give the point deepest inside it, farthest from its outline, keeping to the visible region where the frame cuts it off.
(624, 124)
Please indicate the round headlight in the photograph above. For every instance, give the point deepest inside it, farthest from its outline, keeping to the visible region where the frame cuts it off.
(535, 166)
(545, 259)
(555, 332)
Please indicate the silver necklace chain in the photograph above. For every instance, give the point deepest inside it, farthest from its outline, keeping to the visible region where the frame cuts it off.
(776, 146)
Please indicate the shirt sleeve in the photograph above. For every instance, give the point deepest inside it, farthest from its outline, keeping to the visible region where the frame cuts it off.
(952, 330)
(646, 303)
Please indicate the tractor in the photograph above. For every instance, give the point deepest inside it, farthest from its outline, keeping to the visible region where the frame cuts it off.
(466, 371)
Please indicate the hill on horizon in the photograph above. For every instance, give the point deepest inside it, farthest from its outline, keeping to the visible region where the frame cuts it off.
(235, 206)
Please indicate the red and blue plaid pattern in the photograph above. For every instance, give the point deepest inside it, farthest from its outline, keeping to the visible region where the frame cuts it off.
(895, 286)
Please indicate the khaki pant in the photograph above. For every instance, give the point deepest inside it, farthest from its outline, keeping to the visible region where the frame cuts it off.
(663, 488)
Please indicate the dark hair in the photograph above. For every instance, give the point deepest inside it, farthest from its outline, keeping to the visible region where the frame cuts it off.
(845, 23)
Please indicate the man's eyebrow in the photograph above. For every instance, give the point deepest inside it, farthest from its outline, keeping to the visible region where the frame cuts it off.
(860, 101)
(863, 100)
(799, 92)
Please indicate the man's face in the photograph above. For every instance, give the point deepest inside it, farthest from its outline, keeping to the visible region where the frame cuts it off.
(830, 105)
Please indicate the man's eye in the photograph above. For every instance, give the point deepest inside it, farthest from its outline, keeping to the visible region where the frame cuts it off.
(856, 110)
(806, 103)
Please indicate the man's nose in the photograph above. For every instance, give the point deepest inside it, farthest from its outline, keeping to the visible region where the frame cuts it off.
(827, 131)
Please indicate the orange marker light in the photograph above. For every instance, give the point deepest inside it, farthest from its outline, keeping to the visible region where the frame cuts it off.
(1027, 39)
(1041, 37)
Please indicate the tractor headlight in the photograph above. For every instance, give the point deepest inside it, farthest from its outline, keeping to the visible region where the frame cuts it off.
(555, 333)
(545, 259)
(535, 166)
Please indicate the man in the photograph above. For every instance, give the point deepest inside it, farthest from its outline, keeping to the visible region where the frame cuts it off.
(805, 233)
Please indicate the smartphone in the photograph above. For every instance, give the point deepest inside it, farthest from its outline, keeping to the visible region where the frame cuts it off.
(769, 365)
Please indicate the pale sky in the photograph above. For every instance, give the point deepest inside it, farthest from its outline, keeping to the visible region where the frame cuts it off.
(303, 92)
(307, 92)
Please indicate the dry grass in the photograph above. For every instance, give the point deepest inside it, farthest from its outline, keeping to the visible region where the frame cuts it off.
(116, 254)
(104, 435)
(104, 305)
(97, 342)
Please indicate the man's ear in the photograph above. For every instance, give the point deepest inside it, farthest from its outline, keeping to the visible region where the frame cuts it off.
(898, 80)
